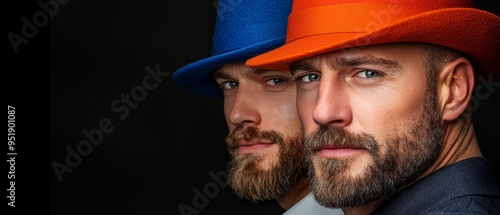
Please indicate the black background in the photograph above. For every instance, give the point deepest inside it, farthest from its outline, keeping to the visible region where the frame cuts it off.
(66, 77)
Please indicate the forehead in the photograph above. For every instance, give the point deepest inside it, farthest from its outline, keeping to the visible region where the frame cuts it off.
(230, 68)
(382, 55)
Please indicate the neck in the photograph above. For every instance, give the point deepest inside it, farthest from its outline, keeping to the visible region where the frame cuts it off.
(459, 143)
(293, 195)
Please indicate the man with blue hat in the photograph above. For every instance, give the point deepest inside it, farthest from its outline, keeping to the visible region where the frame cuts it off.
(259, 105)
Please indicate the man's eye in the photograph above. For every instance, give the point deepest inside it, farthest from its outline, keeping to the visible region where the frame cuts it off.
(275, 81)
(368, 74)
(310, 78)
(229, 85)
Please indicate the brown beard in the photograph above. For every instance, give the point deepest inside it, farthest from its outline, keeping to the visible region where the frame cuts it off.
(406, 157)
(247, 176)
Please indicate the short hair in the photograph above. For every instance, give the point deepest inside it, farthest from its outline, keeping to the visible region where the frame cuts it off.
(437, 56)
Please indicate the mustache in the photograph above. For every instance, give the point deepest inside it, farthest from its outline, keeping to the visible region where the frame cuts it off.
(338, 137)
(247, 133)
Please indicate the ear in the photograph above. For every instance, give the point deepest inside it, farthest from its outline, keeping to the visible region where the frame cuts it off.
(455, 87)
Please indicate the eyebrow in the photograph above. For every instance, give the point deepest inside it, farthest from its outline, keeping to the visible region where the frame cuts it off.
(302, 65)
(219, 74)
(339, 62)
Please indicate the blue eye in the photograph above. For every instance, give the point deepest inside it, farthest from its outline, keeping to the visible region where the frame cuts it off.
(275, 81)
(310, 78)
(368, 74)
(229, 85)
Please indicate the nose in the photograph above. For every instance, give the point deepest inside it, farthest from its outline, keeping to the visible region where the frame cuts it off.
(332, 104)
(245, 110)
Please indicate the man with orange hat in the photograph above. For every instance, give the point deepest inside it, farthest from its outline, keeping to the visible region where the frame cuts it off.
(265, 140)
(383, 93)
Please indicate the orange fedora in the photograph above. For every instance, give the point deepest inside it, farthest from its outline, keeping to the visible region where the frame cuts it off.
(320, 26)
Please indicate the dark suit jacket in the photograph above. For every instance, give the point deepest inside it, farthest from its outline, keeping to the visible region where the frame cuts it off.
(466, 187)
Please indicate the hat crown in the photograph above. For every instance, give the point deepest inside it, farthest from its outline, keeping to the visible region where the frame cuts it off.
(316, 17)
(429, 4)
(241, 23)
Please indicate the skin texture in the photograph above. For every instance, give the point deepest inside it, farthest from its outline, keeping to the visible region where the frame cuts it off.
(373, 124)
(265, 139)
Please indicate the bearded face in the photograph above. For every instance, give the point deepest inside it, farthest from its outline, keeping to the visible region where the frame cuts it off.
(263, 176)
(392, 163)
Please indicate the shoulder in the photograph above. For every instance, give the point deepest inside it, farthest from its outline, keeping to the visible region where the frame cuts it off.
(473, 204)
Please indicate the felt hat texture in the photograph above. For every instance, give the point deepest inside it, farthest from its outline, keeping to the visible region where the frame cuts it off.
(243, 29)
(321, 26)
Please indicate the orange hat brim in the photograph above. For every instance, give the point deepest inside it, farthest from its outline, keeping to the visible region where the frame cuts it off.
(473, 32)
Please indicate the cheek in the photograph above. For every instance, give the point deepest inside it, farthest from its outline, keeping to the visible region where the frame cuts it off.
(281, 113)
(390, 113)
(305, 106)
(408, 104)
(287, 112)
(228, 107)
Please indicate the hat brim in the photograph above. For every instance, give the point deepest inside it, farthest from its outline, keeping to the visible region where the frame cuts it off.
(471, 31)
(197, 76)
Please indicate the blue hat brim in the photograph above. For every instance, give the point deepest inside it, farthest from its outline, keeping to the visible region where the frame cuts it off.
(198, 76)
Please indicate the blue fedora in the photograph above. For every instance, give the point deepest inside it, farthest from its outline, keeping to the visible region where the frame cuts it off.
(243, 29)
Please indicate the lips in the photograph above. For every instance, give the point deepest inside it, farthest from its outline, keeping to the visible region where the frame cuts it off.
(337, 143)
(339, 152)
(338, 147)
(251, 147)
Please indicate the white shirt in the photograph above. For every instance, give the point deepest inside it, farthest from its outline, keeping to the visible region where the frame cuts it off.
(308, 205)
